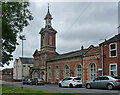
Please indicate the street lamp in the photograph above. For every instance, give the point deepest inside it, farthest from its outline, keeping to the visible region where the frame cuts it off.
(22, 37)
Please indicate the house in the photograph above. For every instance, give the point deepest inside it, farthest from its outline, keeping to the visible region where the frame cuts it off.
(22, 65)
(110, 56)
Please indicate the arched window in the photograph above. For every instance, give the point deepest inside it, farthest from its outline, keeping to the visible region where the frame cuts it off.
(79, 71)
(92, 71)
(66, 71)
(57, 72)
(49, 73)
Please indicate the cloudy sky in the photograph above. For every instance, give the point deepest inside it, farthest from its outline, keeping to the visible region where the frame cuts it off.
(77, 24)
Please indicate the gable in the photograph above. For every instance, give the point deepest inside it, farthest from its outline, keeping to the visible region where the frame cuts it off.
(36, 53)
(91, 51)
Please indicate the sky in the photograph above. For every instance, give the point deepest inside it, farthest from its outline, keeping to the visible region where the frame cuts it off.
(76, 23)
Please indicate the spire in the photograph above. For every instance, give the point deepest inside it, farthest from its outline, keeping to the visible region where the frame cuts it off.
(48, 19)
(48, 15)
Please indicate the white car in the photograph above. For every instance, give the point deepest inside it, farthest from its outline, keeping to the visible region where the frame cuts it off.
(71, 82)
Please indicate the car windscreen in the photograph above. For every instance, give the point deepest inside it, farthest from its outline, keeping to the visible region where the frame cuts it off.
(77, 78)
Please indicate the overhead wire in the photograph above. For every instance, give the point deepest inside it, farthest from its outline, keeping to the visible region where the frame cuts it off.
(69, 29)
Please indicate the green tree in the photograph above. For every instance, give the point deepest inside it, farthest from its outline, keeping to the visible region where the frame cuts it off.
(15, 16)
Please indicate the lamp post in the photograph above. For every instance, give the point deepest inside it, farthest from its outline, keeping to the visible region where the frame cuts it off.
(22, 37)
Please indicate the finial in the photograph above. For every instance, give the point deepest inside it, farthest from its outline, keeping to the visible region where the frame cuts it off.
(48, 6)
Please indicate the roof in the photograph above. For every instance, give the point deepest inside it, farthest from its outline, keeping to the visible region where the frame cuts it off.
(27, 60)
(7, 70)
(77, 53)
(48, 29)
(48, 15)
(113, 39)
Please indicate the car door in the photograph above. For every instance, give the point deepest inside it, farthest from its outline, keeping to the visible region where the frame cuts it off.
(64, 82)
(104, 82)
(96, 82)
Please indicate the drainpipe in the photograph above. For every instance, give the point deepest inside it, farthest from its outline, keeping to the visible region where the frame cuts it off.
(102, 58)
(82, 66)
(46, 68)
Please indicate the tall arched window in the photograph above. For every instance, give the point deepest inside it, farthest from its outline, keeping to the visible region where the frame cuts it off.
(79, 71)
(57, 72)
(66, 71)
(92, 71)
(49, 73)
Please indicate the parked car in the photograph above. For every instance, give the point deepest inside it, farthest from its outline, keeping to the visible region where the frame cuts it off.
(27, 81)
(104, 82)
(71, 82)
(38, 81)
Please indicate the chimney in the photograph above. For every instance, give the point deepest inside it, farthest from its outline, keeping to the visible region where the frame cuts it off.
(82, 47)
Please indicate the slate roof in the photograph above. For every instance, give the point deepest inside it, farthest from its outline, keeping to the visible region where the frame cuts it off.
(48, 15)
(7, 70)
(27, 60)
(113, 39)
(77, 53)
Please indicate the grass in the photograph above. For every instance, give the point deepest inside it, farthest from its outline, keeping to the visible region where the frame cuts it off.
(20, 91)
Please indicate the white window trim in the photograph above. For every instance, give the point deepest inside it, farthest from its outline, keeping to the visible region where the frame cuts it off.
(57, 73)
(110, 67)
(114, 49)
(79, 72)
(49, 72)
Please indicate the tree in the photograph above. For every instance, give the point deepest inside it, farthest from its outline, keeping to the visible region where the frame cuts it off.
(15, 16)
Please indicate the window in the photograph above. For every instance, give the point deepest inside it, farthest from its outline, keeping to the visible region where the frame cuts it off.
(92, 71)
(49, 73)
(79, 71)
(28, 65)
(66, 71)
(50, 39)
(57, 72)
(113, 69)
(43, 40)
(113, 50)
(23, 65)
(42, 60)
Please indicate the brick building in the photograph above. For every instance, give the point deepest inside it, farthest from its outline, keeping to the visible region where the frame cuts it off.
(52, 66)
(85, 63)
(110, 56)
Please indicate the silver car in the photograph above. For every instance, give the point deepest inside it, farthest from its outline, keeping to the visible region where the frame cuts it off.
(104, 82)
(71, 82)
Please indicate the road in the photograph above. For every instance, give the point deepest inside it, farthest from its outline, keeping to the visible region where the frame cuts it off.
(54, 88)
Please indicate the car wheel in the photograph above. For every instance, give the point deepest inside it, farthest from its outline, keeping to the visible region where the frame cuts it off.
(70, 85)
(60, 85)
(109, 86)
(88, 86)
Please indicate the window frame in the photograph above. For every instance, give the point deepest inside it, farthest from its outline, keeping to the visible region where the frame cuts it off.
(79, 71)
(112, 70)
(110, 50)
(49, 73)
(67, 71)
(57, 73)
(94, 73)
